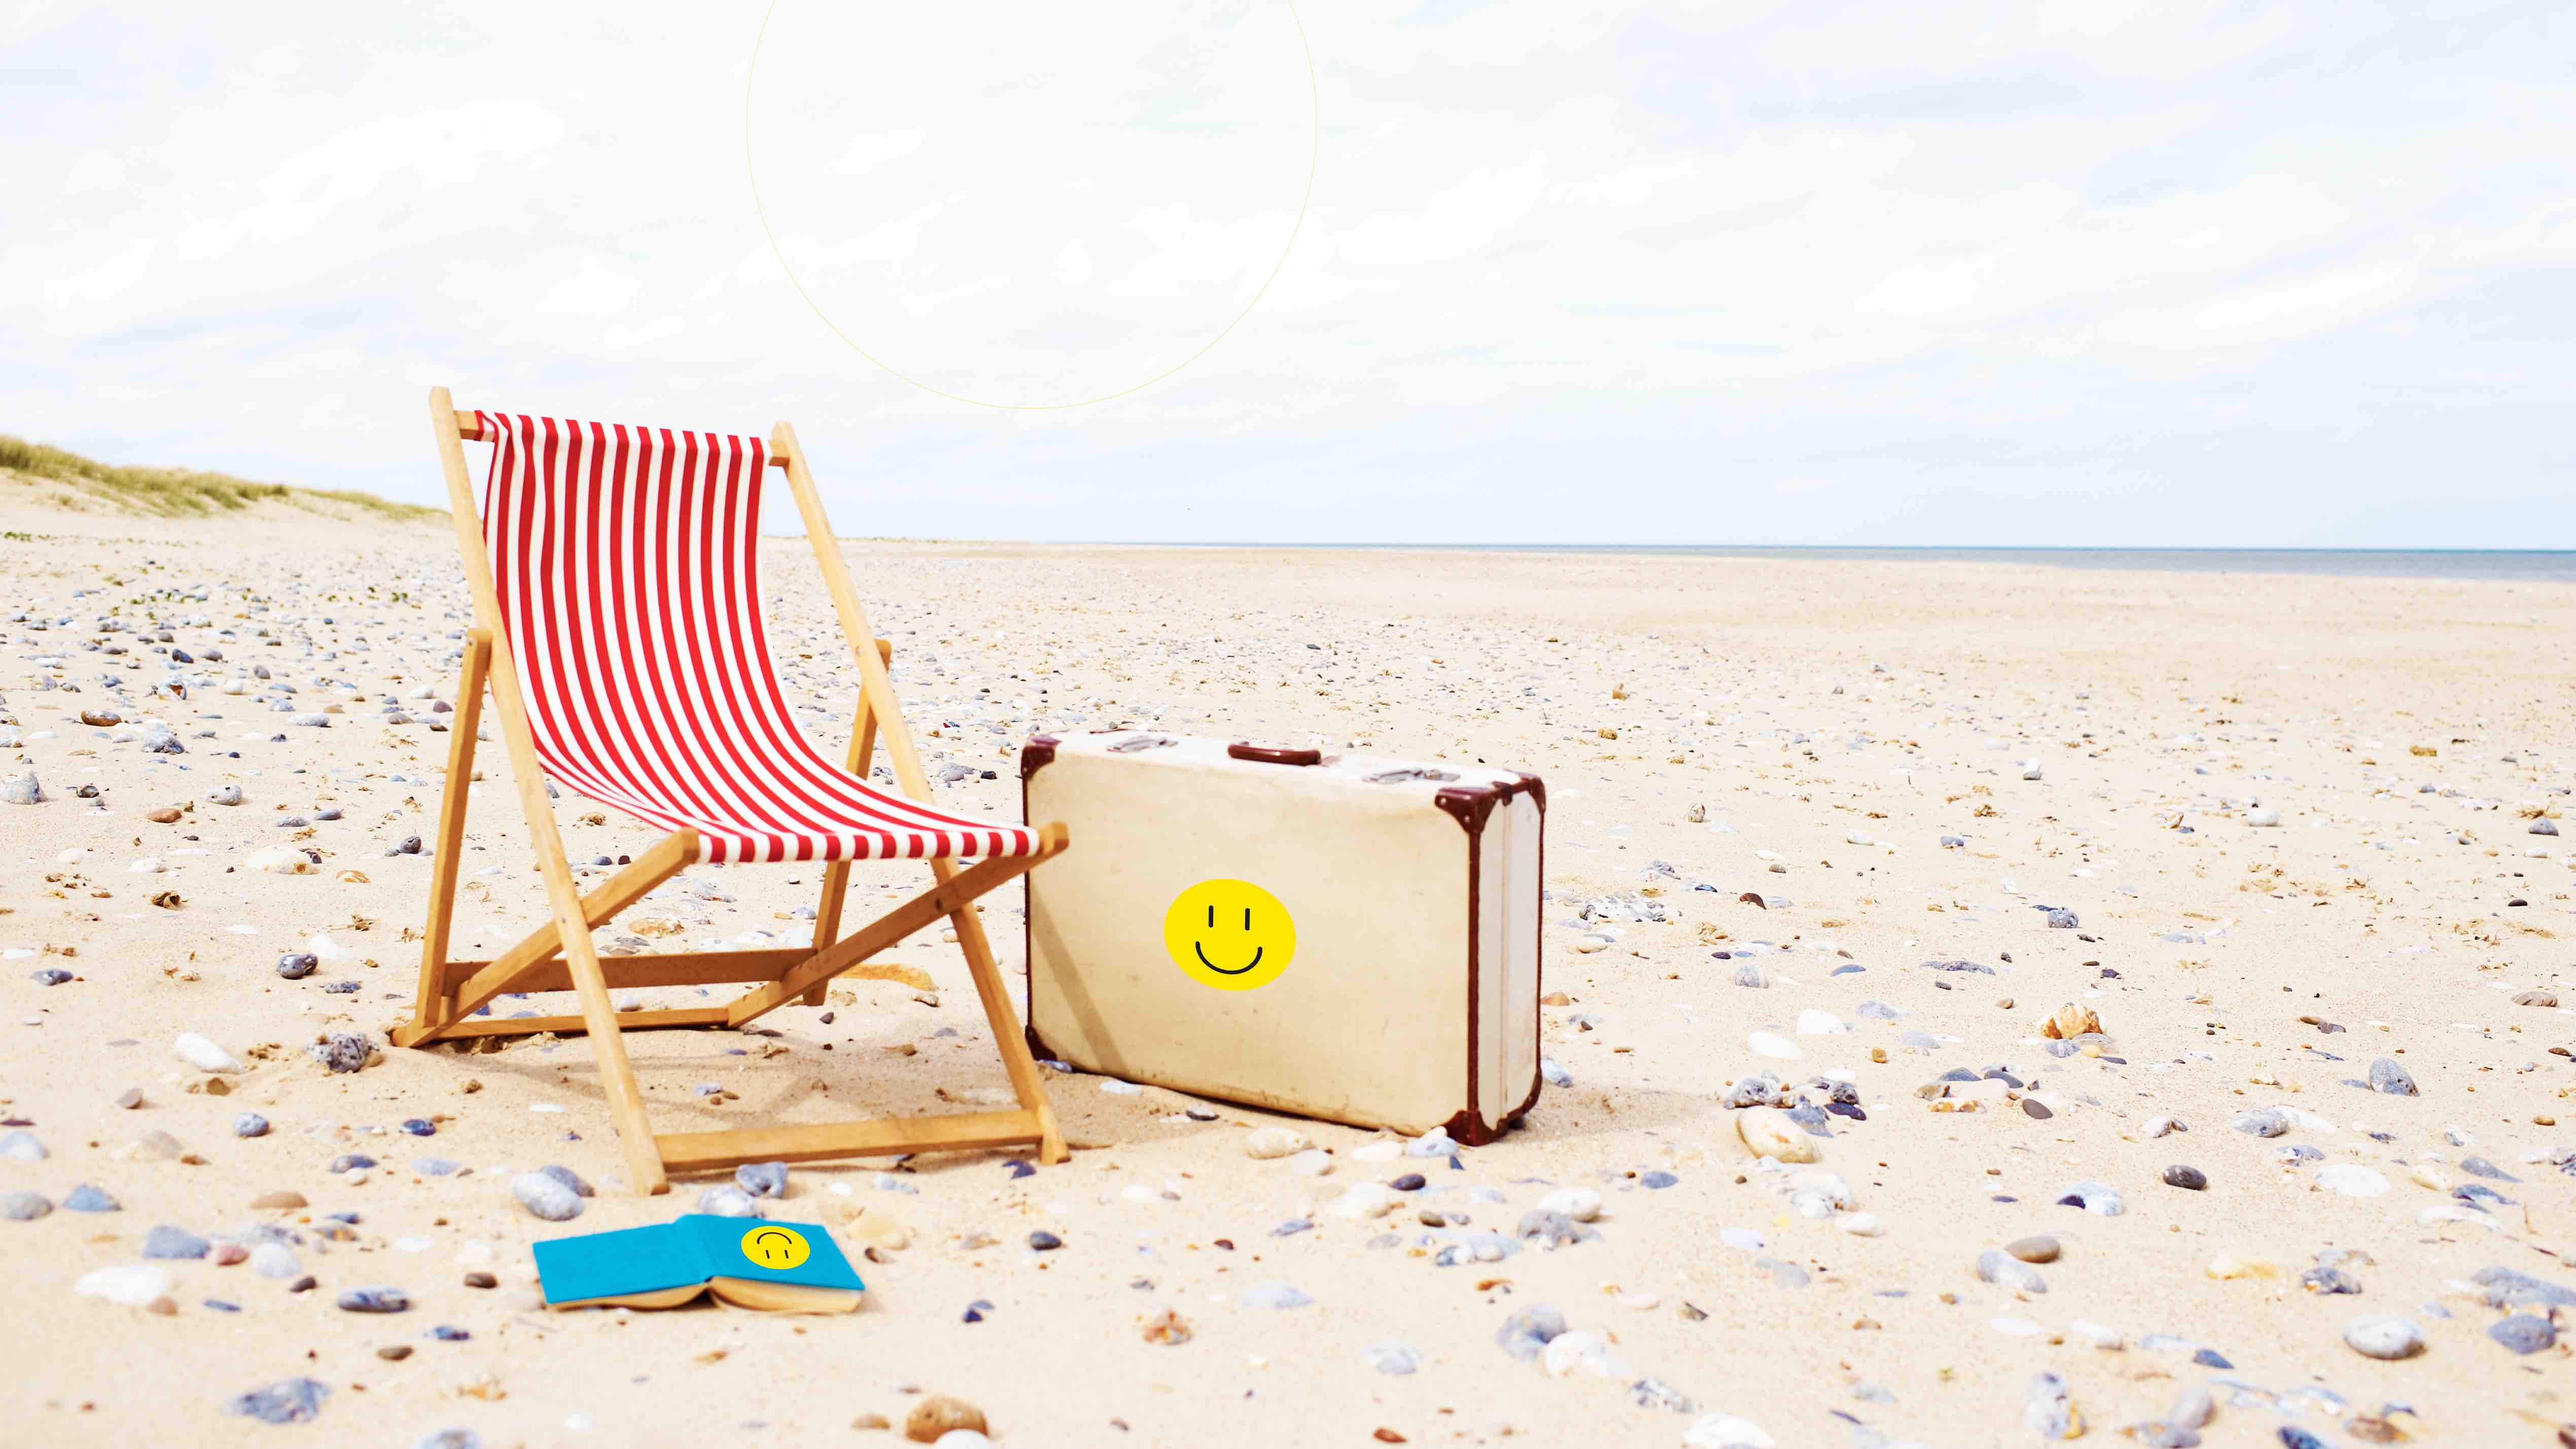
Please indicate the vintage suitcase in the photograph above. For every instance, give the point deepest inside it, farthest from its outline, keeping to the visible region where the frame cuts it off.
(1337, 936)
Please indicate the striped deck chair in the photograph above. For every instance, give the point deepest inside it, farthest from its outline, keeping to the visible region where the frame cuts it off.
(618, 623)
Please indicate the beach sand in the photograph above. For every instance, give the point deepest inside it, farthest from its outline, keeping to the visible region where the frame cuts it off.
(2098, 742)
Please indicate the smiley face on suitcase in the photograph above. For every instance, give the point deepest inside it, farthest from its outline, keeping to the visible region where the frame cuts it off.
(1229, 934)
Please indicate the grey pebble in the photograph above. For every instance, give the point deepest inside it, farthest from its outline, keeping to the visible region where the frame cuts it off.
(762, 1179)
(2524, 1333)
(1527, 1331)
(450, 1439)
(166, 1241)
(2507, 1288)
(275, 1260)
(288, 1401)
(2190, 1179)
(343, 1051)
(2387, 1076)
(568, 1178)
(728, 1202)
(1651, 1393)
(24, 1206)
(545, 1196)
(1391, 1356)
(2262, 1122)
(2005, 1271)
(2099, 1198)
(1550, 1229)
(296, 965)
(2480, 1167)
(1272, 1294)
(2374, 1336)
(2329, 1281)
(250, 1124)
(22, 1146)
(374, 1300)
(88, 1198)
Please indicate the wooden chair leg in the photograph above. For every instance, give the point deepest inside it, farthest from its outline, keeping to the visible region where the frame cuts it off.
(1016, 1060)
(431, 1003)
(836, 876)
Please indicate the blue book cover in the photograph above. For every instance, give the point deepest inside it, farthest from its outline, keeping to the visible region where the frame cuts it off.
(691, 1249)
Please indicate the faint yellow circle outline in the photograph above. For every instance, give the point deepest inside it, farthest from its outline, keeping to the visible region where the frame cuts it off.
(1315, 146)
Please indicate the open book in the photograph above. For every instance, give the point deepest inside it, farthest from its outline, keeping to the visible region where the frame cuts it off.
(744, 1262)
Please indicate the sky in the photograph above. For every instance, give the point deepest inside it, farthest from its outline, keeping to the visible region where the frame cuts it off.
(2168, 274)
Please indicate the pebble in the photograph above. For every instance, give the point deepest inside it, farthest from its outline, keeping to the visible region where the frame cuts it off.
(88, 1198)
(762, 1179)
(274, 1260)
(132, 1285)
(940, 1415)
(2386, 1075)
(2262, 1122)
(2383, 1337)
(2004, 1271)
(22, 1146)
(250, 1124)
(204, 1055)
(2037, 1249)
(374, 1300)
(1040, 1241)
(2098, 1198)
(1272, 1294)
(1768, 1132)
(342, 1051)
(2048, 1410)
(169, 1242)
(2190, 1179)
(1391, 1356)
(1580, 1204)
(2351, 1180)
(1270, 1142)
(1525, 1334)
(24, 1205)
(546, 1196)
(2524, 1333)
(1726, 1431)
(297, 965)
(288, 1401)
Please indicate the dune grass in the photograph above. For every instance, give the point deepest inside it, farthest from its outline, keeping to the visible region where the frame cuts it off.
(178, 492)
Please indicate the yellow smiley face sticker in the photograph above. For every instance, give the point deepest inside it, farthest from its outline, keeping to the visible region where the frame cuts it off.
(776, 1247)
(1229, 934)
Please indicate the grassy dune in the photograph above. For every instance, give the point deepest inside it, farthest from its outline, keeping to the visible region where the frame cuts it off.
(174, 492)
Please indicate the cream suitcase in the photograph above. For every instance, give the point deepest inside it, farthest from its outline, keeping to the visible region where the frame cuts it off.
(1338, 936)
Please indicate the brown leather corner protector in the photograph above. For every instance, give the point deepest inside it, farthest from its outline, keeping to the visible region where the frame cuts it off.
(1468, 1128)
(1536, 786)
(1470, 805)
(1037, 754)
(1037, 1045)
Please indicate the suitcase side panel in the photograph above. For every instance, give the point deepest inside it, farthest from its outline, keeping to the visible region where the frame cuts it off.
(1505, 827)
(1369, 1023)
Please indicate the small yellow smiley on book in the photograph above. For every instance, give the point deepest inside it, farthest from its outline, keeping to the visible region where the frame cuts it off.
(1229, 934)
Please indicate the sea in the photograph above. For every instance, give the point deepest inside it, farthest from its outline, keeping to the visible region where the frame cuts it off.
(2492, 564)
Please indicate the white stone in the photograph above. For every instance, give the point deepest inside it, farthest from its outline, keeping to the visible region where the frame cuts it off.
(1364, 1200)
(1726, 1431)
(1580, 1349)
(2262, 815)
(1860, 1225)
(1314, 1162)
(2351, 1179)
(1820, 1023)
(1768, 1132)
(132, 1284)
(1385, 1149)
(205, 1056)
(2373, 1336)
(274, 1260)
(1266, 1142)
(1579, 1203)
(1772, 1044)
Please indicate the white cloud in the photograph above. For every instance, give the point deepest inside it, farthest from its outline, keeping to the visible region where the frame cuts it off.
(2011, 274)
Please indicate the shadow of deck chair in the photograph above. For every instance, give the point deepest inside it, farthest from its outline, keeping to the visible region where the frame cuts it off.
(618, 622)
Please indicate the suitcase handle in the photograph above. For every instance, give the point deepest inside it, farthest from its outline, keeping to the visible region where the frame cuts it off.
(1274, 754)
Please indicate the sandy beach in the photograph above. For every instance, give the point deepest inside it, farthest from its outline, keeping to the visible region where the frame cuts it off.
(2274, 836)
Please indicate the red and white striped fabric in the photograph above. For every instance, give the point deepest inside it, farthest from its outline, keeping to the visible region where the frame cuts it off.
(628, 566)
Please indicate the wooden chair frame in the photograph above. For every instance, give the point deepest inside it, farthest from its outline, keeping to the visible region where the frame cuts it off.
(559, 955)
